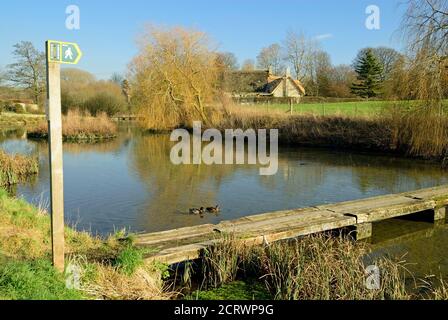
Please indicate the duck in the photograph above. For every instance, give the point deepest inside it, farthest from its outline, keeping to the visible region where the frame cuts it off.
(197, 211)
(214, 209)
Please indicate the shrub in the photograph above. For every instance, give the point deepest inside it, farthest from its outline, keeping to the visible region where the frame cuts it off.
(104, 102)
(69, 102)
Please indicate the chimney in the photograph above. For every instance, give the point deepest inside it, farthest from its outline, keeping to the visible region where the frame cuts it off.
(288, 73)
(270, 71)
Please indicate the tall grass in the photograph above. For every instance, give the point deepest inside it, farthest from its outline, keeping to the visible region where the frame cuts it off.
(313, 267)
(77, 126)
(409, 129)
(15, 168)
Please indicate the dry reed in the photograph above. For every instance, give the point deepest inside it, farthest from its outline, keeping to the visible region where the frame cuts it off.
(77, 126)
(14, 168)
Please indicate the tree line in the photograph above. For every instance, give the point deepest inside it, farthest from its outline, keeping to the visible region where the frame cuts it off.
(176, 73)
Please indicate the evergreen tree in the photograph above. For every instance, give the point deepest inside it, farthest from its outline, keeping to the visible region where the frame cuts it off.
(369, 72)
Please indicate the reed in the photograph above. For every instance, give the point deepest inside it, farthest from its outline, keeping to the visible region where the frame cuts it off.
(15, 168)
(77, 126)
(313, 267)
(408, 129)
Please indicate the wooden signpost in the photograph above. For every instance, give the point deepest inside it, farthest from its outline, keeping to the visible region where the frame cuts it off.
(67, 53)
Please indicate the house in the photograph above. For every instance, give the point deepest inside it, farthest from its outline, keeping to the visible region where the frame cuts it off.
(262, 84)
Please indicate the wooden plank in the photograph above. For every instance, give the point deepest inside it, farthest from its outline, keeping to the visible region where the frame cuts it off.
(310, 217)
(380, 208)
(294, 230)
(179, 254)
(438, 194)
(267, 216)
(176, 234)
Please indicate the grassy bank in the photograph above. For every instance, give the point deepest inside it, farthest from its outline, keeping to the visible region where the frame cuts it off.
(77, 127)
(15, 168)
(411, 131)
(109, 268)
(14, 120)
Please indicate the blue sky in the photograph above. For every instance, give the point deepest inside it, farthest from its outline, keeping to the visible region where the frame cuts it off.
(109, 28)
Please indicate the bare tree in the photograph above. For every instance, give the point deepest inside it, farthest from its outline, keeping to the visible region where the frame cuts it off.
(388, 57)
(425, 27)
(29, 70)
(227, 61)
(426, 22)
(299, 52)
(271, 57)
(342, 77)
(248, 65)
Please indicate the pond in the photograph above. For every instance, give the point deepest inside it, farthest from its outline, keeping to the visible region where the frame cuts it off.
(130, 183)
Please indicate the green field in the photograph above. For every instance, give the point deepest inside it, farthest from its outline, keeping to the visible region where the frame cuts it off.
(360, 108)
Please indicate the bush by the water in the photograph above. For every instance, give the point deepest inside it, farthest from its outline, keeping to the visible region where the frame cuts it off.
(80, 90)
(15, 168)
(104, 103)
(80, 127)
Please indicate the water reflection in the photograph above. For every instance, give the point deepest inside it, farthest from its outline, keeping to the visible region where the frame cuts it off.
(130, 182)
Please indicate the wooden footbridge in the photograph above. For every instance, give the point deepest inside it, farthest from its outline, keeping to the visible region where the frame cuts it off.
(128, 117)
(184, 244)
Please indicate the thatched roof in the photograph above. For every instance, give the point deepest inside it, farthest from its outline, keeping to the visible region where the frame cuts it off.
(256, 82)
(245, 81)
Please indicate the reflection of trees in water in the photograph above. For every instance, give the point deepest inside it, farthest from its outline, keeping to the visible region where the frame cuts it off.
(387, 173)
(16, 133)
(174, 189)
(294, 177)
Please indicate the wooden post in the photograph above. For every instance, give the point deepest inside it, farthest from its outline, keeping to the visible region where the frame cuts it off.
(363, 231)
(440, 214)
(290, 106)
(54, 118)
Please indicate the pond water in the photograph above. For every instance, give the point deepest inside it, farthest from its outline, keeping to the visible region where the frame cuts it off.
(130, 183)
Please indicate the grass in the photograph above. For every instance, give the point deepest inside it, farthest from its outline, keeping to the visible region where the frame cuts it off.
(34, 280)
(361, 108)
(110, 268)
(373, 108)
(15, 168)
(77, 127)
(129, 260)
